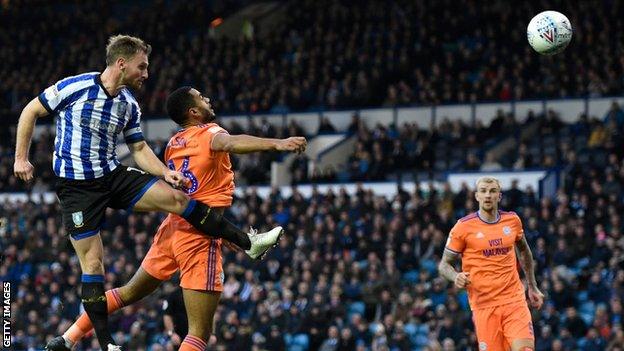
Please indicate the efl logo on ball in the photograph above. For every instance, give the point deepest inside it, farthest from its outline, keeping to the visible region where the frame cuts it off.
(549, 32)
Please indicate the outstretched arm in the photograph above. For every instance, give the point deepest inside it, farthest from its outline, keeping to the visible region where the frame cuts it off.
(22, 168)
(446, 269)
(244, 144)
(526, 261)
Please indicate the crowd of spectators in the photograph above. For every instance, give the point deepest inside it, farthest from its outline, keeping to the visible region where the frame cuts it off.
(324, 55)
(542, 140)
(387, 152)
(354, 269)
(382, 152)
(250, 168)
(319, 54)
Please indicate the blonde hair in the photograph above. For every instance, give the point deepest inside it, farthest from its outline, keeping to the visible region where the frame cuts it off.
(488, 179)
(124, 46)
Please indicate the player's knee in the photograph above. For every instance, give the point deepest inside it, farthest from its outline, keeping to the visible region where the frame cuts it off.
(92, 262)
(180, 198)
(180, 201)
(93, 266)
(94, 255)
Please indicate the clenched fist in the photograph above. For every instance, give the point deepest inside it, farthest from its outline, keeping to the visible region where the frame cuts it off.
(536, 298)
(462, 280)
(176, 179)
(293, 144)
(23, 170)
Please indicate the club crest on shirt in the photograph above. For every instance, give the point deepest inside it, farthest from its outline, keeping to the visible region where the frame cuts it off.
(77, 218)
(53, 90)
(506, 230)
(480, 235)
(482, 346)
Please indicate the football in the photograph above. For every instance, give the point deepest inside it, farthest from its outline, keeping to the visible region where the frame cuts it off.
(549, 32)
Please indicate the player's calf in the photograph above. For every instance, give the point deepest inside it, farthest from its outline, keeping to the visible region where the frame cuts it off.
(94, 302)
(211, 222)
(200, 309)
(140, 285)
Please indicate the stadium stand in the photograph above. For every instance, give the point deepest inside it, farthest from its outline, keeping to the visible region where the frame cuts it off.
(324, 54)
(361, 263)
(355, 272)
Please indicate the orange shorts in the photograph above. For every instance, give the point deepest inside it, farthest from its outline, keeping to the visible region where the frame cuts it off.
(177, 245)
(498, 326)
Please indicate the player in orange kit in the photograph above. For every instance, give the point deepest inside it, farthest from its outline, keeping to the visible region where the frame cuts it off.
(201, 152)
(486, 241)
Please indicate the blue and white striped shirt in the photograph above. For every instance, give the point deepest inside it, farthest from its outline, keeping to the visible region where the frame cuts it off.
(88, 123)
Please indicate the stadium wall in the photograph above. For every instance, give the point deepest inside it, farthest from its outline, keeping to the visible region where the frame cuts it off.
(426, 117)
(543, 182)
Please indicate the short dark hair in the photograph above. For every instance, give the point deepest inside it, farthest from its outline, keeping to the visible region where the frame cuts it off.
(178, 104)
(125, 46)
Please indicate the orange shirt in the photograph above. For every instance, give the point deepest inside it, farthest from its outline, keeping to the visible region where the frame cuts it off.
(488, 254)
(212, 179)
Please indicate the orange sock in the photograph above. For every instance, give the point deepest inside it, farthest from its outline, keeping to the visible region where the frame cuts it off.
(193, 343)
(83, 324)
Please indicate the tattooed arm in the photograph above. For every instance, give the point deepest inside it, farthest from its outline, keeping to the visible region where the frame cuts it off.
(526, 261)
(446, 269)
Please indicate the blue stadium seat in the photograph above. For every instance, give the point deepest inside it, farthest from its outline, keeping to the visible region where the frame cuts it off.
(429, 265)
(420, 338)
(462, 300)
(356, 307)
(587, 311)
(410, 329)
(411, 276)
(582, 296)
(297, 342)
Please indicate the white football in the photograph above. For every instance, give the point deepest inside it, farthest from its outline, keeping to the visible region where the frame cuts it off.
(549, 32)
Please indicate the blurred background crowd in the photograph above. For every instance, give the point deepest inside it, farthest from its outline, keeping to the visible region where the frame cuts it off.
(355, 271)
(322, 54)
